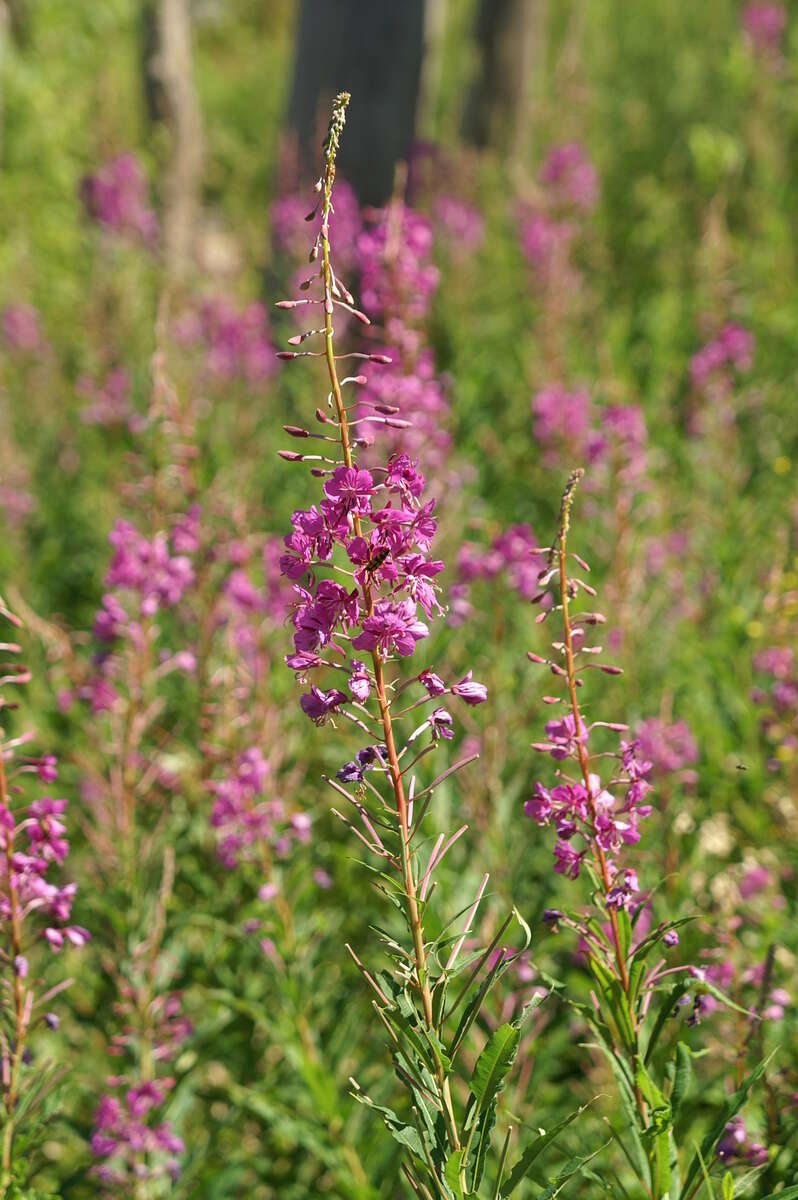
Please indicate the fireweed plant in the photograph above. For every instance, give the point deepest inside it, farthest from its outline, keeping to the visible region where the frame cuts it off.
(35, 908)
(191, 603)
(636, 992)
(361, 570)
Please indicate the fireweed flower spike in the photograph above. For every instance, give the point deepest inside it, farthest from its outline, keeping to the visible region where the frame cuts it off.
(364, 580)
(35, 907)
(597, 820)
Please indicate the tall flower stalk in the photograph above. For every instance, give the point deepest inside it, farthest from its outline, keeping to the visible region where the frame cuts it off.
(361, 568)
(34, 920)
(632, 1002)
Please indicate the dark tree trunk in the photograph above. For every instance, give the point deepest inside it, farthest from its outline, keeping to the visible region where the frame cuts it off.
(373, 49)
(508, 34)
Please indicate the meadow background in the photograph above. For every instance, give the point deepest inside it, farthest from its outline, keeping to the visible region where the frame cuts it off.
(629, 305)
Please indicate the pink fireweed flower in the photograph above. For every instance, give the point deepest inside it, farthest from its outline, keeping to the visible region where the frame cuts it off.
(392, 627)
(563, 737)
(715, 364)
(462, 223)
(544, 241)
(669, 747)
(400, 274)
(570, 176)
(131, 1144)
(20, 325)
(148, 568)
(764, 25)
(116, 197)
(236, 341)
(290, 229)
(605, 817)
(35, 907)
(108, 401)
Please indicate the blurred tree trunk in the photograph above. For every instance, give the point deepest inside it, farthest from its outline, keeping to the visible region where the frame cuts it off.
(508, 36)
(435, 19)
(171, 100)
(373, 49)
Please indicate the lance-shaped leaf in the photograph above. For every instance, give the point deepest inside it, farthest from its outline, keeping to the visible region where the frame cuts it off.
(681, 1075)
(494, 1064)
(405, 1134)
(728, 1110)
(574, 1167)
(534, 1150)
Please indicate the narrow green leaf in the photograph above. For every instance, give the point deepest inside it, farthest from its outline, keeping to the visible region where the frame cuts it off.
(728, 1110)
(497, 1187)
(494, 1064)
(472, 1009)
(534, 1150)
(574, 1167)
(682, 1074)
(663, 1013)
(722, 998)
(653, 939)
(705, 1173)
(406, 1135)
(727, 1186)
(661, 1164)
(487, 1120)
(624, 932)
(452, 1170)
(636, 974)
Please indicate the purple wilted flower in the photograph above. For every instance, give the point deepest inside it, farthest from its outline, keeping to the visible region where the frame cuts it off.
(469, 690)
(350, 772)
(116, 197)
(567, 861)
(441, 723)
(359, 682)
(432, 682)
(318, 705)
